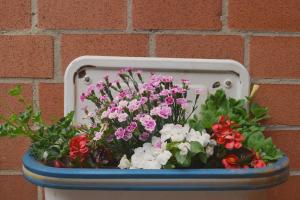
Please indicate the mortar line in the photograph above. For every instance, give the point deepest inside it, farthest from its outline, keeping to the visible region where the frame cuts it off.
(35, 95)
(39, 193)
(10, 172)
(276, 81)
(129, 17)
(294, 173)
(224, 17)
(152, 45)
(282, 127)
(246, 51)
(53, 32)
(34, 17)
(57, 59)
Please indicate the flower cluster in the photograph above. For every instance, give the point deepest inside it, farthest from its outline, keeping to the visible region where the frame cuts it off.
(225, 135)
(132, 123)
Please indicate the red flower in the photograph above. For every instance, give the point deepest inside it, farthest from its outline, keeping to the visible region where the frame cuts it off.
(257, 162)
(231, 161)
(58, 164)
(224, 134)
(78, 148)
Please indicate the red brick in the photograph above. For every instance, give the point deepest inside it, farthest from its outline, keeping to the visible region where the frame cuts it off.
(84, 14)
(51, 101)
(289, 190)
(15, 14)
(16, 188)
(12, 151)
(275, 57)
(289, 143)
(10, 104)
(26, 56)
(177, 14)
(283, 102)
(191, 46)
(74, 46)
(271, 15)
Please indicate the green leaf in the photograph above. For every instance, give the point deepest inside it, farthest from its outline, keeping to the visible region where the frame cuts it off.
(203, 157)
(196, 147)
(183, 160)
(16, 91)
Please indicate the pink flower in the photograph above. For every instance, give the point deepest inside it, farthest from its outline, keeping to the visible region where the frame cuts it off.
(134, 105)
(183, 102)
(103, 98)
(148, 122)
(167, 79)
(120, 133)
(90, 89)
(169, 100)
(164, 92)
(143, 100)
(185, 81)
(100, 85)
(144, 136)
(127, 136)
(132, 126)
(162, 111)
(122, 117)
(98, 136)
(154, 97)
(82, 97)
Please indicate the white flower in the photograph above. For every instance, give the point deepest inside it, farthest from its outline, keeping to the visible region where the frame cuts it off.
(203, 138)
(124, 163)
(184, 148)
(113, 115)
(164, 157)
(151, 155)
(175, 132)
(45, 155)
(210, 147)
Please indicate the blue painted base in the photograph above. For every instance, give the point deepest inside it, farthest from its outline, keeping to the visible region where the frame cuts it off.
(156, 180)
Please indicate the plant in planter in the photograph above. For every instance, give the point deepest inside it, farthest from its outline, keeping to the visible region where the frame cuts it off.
(149, 124)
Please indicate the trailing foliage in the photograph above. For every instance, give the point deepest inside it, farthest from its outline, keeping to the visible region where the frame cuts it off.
(49, 143)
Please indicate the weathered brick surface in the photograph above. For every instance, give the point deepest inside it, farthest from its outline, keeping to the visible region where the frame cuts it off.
(285, 140)
(51, 101)
(74, 46)
(269, 15)
(84, 14)
(12, 151)
(10, 104)
(191, 46)
(289, 190)
(15, 14)
(283, 102)
(177, 14)
(17, 188)
(26, 56)
(275, 57)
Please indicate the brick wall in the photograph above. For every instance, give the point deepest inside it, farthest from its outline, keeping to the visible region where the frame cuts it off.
(38, 38)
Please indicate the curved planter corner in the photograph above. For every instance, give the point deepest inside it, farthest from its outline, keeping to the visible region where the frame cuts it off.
(155, 180)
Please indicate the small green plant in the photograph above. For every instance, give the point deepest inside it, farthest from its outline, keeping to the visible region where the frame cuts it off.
(50, 144)
(247, 118)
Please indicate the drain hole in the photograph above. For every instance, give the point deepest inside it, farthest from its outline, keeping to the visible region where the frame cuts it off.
(81, 73)
(216, 84)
